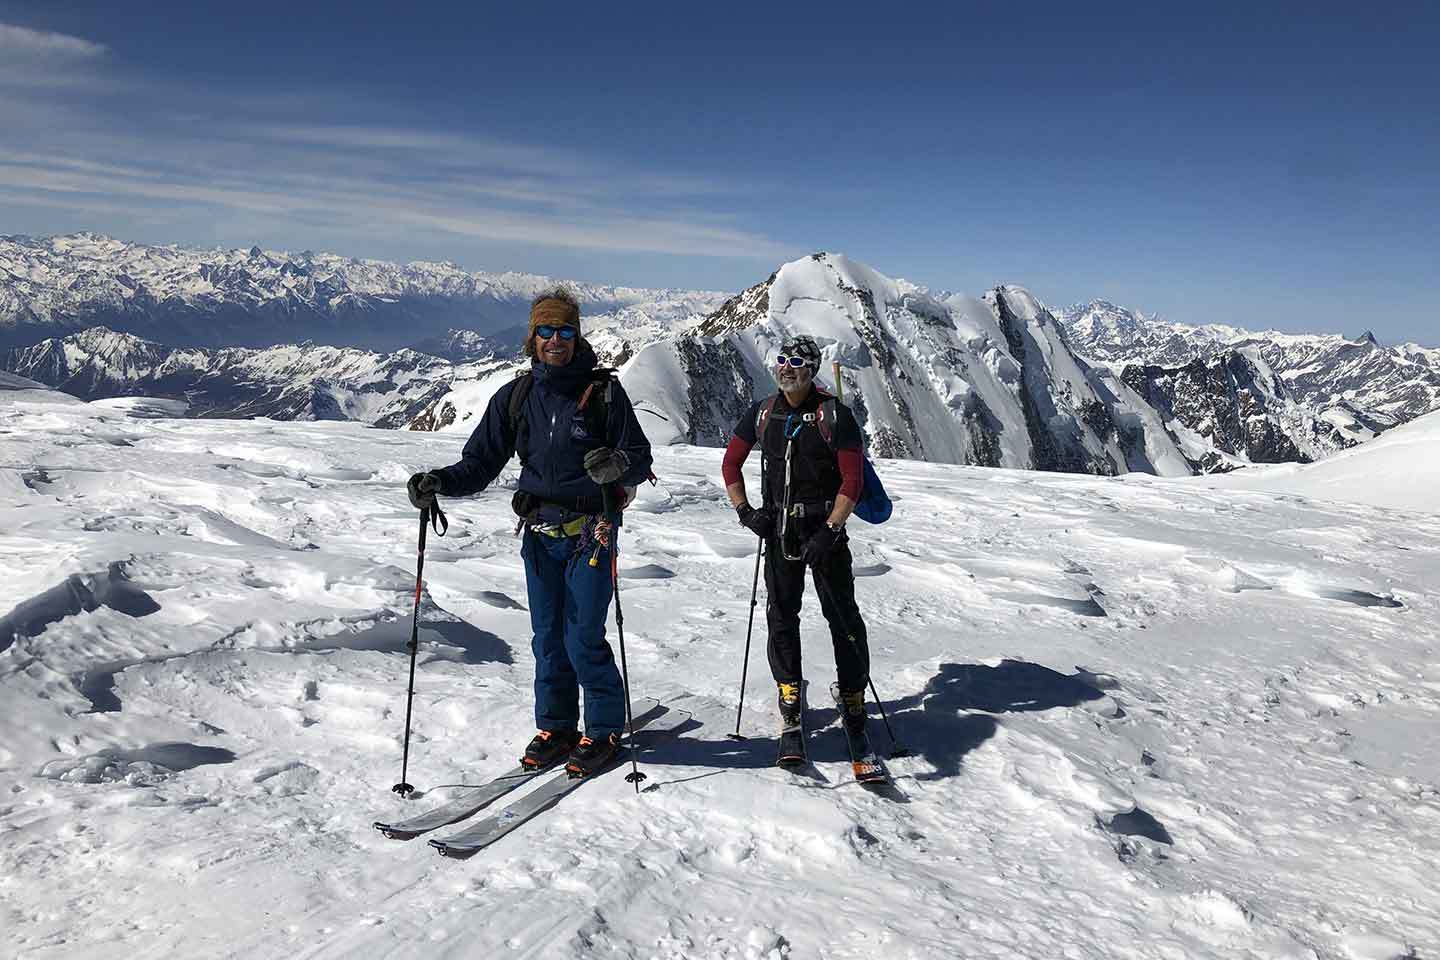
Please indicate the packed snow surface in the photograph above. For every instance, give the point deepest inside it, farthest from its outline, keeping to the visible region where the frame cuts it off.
(1150, 718)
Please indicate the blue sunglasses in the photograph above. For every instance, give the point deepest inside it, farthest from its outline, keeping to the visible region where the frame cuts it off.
(784, 361)
(545, 331)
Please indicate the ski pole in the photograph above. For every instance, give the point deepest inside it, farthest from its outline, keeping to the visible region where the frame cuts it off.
(897, 749)
(403, 787)
(634, 776)
(749, 631)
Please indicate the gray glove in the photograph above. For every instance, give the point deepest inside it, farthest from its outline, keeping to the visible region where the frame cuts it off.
(605, 465)
(422, 489)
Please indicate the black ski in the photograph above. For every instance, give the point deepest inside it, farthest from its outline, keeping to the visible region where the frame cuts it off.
(792, 752)
(792, 747)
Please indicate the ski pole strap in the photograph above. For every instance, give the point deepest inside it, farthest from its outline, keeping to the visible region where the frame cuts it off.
(436, 518)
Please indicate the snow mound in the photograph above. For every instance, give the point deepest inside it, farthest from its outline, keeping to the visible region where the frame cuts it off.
(143, 407)
(11, 381)
(1399, 470)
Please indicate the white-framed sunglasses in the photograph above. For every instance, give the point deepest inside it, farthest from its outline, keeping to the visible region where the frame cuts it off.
(784, 361)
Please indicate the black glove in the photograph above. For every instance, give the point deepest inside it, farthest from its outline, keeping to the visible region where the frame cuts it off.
(605, 465)
(818, 547)
(759, 522)
(422, 489)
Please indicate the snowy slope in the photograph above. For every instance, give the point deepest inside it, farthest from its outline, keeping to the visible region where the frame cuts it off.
(52, 286)
(1398, 470)
(1151, 718)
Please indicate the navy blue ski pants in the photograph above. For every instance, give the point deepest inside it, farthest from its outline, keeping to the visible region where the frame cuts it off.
(569, 604)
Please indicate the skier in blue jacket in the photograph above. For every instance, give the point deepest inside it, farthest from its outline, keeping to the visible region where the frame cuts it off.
(580, 445)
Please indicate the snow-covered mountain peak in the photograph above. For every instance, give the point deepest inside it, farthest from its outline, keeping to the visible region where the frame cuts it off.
(961, 380)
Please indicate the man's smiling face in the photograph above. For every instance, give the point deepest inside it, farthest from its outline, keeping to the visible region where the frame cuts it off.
(557, 349)
(794, 379)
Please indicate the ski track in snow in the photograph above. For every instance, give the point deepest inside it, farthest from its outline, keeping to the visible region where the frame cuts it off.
(1149, 718)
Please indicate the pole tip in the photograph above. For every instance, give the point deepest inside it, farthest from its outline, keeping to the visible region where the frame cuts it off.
(404, 789)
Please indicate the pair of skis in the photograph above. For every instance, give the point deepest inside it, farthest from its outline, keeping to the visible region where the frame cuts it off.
(553, 787)
(865, 763)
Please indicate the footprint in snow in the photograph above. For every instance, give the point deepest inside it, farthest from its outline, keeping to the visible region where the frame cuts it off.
(1135, 822)
(649, 571)
(1360, 598)
(339, 473)
(501, 600)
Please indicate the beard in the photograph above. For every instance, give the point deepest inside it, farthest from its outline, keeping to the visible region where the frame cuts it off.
(799, 383)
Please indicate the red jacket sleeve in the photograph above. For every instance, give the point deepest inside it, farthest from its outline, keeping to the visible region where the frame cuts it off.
(735, 455)
(852, 477)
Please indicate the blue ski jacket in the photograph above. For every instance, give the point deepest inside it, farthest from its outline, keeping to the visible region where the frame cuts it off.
(556, 439)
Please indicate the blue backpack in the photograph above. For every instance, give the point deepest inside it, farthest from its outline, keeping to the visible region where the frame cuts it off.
(874, 505)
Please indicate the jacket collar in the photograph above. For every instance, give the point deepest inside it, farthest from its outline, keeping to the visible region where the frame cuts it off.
(570, 378)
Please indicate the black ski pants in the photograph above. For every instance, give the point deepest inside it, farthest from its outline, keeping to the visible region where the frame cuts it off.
(835, 584)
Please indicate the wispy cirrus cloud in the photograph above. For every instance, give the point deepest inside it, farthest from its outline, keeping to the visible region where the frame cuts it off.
(46, 44)
(369, 180)
(37, 59)
(310, 166)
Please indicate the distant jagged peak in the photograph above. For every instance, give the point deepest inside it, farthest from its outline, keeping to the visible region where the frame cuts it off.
(1104, 314)
(1108, 315)
(103, 340)
(103, 257)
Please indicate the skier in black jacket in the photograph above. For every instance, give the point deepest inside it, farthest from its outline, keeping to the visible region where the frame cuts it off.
(567, 455)
(811, 480)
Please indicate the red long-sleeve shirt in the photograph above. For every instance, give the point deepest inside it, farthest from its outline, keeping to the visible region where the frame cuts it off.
(852, 477)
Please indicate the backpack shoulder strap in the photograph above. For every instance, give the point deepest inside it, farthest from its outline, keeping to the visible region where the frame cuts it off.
(519, 426)
(523, 382)
(595, 402)
(825, 420)
(762, 418)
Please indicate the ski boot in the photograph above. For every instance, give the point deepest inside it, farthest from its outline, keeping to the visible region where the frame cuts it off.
(548, 748)
(792, 725)
(864, 762)
(592, 756)
(792, 704)
(852, 709)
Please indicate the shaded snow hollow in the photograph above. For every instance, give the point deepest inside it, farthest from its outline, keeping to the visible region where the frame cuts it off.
(1151, 718)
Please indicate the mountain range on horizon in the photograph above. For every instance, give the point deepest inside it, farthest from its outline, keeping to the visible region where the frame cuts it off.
(998, 380)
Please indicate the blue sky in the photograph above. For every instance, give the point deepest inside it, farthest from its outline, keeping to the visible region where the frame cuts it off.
(1270, 169)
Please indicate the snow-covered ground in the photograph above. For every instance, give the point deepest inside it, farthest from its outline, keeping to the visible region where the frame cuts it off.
(1151, 718)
